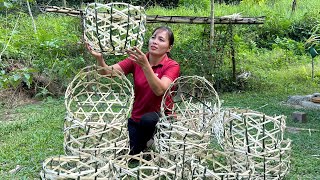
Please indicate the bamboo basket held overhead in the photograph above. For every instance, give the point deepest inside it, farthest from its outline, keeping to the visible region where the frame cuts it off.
(115, 27)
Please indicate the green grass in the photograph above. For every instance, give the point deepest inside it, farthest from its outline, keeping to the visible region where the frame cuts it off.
(34, 134)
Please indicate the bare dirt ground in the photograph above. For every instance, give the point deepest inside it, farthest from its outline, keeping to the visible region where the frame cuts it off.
(10, 99)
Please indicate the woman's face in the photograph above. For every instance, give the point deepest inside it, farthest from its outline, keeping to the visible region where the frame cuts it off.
(159, 43)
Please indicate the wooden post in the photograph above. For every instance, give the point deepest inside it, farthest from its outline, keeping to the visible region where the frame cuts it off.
(294, 6)
(64, 2)
(312, 69)
(233, 59)
(211, 30)
(299, 116)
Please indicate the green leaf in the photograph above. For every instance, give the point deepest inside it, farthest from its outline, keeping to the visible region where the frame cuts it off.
(27, 79)
(16, 77)
(7, 5)
(26, 76)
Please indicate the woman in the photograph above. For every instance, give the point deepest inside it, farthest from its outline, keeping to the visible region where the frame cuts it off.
(152, 72)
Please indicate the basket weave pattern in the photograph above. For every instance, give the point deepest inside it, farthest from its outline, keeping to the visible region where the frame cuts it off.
(115, 27)
(92, 97)
(258, 138)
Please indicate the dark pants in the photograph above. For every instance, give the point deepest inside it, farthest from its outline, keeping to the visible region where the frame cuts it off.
(141, 132)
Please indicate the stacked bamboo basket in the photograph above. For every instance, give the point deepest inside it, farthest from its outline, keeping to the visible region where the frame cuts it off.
(195, 137)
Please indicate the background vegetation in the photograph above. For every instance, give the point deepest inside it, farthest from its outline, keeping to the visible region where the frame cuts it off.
(40, 54)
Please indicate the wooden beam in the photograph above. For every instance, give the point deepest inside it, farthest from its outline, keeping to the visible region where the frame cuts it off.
(204, 20)
(171, 19)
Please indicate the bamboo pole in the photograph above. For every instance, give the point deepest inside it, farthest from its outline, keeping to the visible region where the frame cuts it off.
(170, 19)
(64, 2)
(30, 13)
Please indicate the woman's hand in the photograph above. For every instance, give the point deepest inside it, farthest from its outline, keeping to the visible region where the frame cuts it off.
(94, 53)
(136, 55)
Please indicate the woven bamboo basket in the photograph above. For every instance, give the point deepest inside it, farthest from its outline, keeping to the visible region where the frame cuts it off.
(191, 151)
(151, 165)
(147, 166)
(179, 143)
(190, 111)
(102, 140)
(74, 167)
(259, 138)
(215, 164)
(115, 27)
(92, 97)
(192, 102)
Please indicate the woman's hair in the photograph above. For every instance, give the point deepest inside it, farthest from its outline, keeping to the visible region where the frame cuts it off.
(170, 35)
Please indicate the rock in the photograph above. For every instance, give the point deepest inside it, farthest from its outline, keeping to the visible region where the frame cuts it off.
(316, 95)
(15, 170)
(310, 105)
(299, 116)
(298, 99)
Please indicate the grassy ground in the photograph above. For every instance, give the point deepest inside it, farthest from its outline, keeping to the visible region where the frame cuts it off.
(28, 135)
(31, 133)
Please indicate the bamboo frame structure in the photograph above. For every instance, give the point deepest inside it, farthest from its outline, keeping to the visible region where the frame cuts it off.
(92, 97)
(147, 165)
(258, 138)
(103, 140)
(192, 103)
(113, 28)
